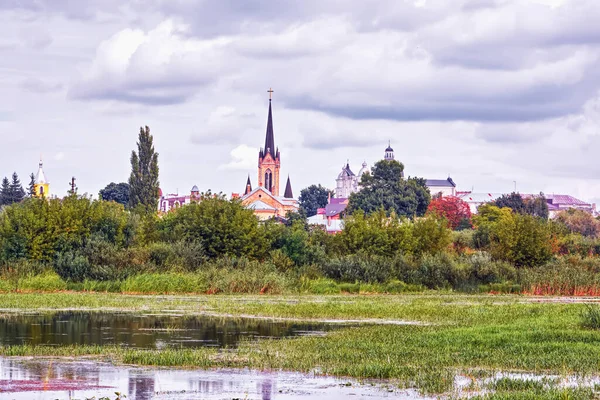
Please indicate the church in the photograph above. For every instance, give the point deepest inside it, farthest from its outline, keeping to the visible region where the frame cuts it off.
(265, 200)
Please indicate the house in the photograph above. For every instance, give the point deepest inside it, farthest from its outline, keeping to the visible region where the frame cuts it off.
(441, 187)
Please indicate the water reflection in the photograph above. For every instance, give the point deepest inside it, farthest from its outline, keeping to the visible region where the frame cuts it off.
(143, 331)
(42, 380)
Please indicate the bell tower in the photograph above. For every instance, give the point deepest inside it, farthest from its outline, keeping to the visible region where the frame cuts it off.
(269, 161)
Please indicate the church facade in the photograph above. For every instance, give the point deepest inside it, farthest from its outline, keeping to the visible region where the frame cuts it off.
(265, 199)
(41, 185)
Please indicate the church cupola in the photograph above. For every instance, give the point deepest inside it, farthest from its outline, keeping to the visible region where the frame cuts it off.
(389, 153)
(269, 160)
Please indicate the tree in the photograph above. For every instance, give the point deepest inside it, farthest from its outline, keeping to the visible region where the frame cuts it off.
(384, 188)
(117, 192)
(17, 193)
(579, 221)
(5, 194)
(143, 181)
(220, 226)
(521, 239)
(535, 205)
(31, 187)
(455, 210)
(514, 201)
(313, 198)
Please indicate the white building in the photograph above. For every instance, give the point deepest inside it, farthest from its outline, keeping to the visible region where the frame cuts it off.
(347, 182)
(441, 187)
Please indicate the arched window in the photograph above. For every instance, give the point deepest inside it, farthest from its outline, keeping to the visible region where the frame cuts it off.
(269, 180)
(41, 190)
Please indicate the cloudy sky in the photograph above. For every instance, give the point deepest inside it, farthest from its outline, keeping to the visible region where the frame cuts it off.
(486, 91)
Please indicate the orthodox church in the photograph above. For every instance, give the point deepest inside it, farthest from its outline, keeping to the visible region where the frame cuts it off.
(265, 199)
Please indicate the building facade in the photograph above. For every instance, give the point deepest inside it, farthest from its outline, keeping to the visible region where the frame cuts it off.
(441, 187)
(172, 201)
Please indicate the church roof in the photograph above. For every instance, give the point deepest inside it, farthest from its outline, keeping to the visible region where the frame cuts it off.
(440, 182)
(40, 178)
(270, 137)
(195, 189)
(288, 190)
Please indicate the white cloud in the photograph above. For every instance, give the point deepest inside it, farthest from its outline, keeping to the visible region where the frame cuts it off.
(243, 158)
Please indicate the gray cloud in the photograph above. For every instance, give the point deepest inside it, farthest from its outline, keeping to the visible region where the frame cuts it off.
(36, 85)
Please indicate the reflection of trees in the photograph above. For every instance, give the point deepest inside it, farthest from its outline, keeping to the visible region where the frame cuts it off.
(136, 330)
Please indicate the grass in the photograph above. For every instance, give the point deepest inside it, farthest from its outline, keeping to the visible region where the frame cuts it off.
(465, 332)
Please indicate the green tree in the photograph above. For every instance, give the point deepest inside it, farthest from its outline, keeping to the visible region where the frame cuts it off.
(17, 193)
(117, 192)
(514, 201)
(579, 221)
(384, 188)
(313, 198)
(143, 181)
(537, 206)
(222, 227)
(31, 187)
(5, 194)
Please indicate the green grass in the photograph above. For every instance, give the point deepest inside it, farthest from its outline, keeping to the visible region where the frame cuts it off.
(475, 333)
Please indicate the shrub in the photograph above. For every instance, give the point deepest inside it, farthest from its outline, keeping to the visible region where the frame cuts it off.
(165, 283)
(438, 271)
(46, 282)
(485, 270)
(359, 267)
(590, 317)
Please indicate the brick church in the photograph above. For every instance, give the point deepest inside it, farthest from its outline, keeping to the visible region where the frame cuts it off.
(265, 199)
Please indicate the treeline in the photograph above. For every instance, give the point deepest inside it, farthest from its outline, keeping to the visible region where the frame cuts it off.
(83, 240)
(11, 191)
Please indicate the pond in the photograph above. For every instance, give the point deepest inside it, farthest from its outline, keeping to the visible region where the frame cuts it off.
(44, 380)
(144, 330)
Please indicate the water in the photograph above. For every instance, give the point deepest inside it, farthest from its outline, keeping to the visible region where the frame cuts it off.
(143, 331)
(44, 380)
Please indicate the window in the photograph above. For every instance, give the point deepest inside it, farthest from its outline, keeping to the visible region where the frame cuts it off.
(269, 180)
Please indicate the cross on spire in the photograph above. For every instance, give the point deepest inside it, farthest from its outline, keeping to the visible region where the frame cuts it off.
(270, 91)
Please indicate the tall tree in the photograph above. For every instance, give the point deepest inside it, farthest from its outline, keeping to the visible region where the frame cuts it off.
(117, 192)
(385, 188)
(536, 206)
(17, 193)
(5, 195)
(143, 181)
(514, 201)
(313, 198)
(31, 188)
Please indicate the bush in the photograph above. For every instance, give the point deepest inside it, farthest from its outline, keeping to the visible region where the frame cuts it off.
(359, 267)
(46, 282)
(485, 270)
(438, 271)
(320, 286)
(165, 283)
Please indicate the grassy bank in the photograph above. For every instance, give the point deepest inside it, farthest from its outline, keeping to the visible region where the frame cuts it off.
(465, 333)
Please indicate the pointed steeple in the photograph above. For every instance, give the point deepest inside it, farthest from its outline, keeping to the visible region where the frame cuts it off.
(40, 176)
(288, 190)
(248, 186)
(270, 138)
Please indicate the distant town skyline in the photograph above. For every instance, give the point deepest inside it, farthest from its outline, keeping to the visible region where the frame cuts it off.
(488, 92)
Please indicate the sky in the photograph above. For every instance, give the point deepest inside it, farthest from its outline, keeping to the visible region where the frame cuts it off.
(494, 93)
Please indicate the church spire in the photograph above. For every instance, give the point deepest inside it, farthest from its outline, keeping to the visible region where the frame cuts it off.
(270, 139)
(288, 190)
(248, 186)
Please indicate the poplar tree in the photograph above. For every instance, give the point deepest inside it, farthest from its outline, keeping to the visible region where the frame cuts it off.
(17, 193)
(143, 181)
